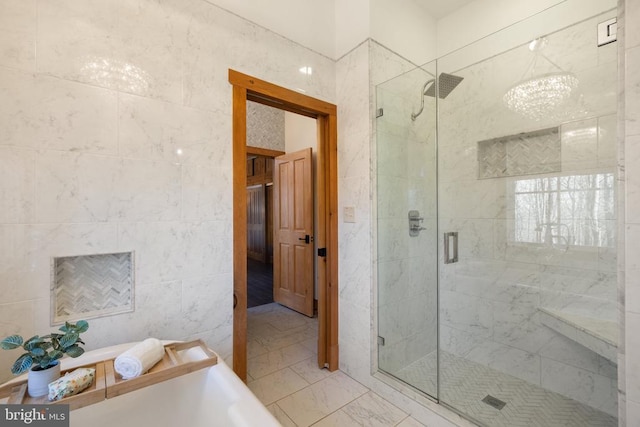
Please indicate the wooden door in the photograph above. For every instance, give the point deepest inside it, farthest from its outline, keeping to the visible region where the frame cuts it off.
(293, 231)
(256, 223)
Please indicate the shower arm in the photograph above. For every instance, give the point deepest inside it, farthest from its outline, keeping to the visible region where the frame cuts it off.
(424, 88)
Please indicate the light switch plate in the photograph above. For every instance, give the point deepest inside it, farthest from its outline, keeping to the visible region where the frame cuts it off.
(349, 214)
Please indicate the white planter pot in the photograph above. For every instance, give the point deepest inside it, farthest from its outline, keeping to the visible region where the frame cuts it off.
(38, 381)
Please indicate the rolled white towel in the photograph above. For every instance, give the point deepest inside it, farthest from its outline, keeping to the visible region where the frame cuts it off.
(139, 358)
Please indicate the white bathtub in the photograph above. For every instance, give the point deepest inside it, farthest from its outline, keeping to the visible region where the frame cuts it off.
(213, 396)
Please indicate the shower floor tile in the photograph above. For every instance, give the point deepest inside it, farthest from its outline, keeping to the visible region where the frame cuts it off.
(464, 384)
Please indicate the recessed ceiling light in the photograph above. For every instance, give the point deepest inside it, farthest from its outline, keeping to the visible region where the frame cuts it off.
(306, 70)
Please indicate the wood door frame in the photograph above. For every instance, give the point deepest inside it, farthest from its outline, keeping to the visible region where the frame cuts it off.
(253, 89)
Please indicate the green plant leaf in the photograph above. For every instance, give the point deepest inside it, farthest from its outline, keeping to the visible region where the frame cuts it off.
(82, 326)
(9, 343)
(33, 342)
(22, 364)
(56, 354)
(69, 339)
(64, 328)
(38, 352)
(45, 362)
(74, 351)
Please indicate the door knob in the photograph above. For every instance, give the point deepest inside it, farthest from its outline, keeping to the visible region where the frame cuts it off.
(306, 238)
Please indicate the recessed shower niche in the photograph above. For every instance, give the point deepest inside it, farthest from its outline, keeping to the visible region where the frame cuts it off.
(90, 286)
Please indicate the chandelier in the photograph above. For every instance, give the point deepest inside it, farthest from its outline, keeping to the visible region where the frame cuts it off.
(538, 96)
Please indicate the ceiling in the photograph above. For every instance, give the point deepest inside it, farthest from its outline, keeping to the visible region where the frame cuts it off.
(440, 8)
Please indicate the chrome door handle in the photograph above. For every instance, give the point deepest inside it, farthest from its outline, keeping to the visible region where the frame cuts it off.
(450, 239)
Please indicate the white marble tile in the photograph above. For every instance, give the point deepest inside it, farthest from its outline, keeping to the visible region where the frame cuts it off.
(75, 188)
(206, 246)
(17, 185)
(244, 46)
(386, 64)
(632, 356)
(277, 385)
(309, 370)
(159, 249)
(632, 412)
(466, 313)
(71, 187)
(128, 46)
(591, 389)
(320, 399)
(152, 38)
(147, 191)
(62, 53)
(15, 318)
(280, 415)
(156, 130)
(25, 268)
(254, 348)
(273, 361)
(207, 303)
(632, 290)
(579, 145)
(510, 360)
(51, 113)
(631, 31)
(565, 350)
(368, 410)
(18, 34)
(410, 422)
(205, 195)
(607, 140)
(151, 299)
(632, 94)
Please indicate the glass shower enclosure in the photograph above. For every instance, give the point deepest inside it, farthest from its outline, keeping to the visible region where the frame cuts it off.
(496, 229)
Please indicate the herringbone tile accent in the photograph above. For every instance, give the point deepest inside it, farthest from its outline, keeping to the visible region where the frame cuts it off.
(522, 154)
(463, 385)
(92, 285)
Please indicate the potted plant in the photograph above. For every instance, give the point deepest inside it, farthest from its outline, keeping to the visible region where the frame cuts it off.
(42, 354)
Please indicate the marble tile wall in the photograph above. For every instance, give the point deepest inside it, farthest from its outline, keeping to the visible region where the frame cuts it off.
(120, 140)
(629, 126)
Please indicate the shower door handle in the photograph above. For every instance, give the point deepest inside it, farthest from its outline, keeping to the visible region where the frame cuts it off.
(450, 240)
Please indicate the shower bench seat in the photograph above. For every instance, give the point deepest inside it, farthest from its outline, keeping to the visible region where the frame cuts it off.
(598, 335)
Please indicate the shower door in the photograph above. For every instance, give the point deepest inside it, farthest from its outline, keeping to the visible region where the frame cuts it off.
(527, 181)
(407, 229)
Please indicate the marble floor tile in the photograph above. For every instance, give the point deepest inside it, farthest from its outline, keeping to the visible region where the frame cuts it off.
(309, 370)
(275, 360)
(277, 385)
(281, 416)
(370, 410)
(410, 422)
(313, 403)
(254, 349)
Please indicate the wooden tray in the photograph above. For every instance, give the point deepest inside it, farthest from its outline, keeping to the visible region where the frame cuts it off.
(170, 366)
(96, 392)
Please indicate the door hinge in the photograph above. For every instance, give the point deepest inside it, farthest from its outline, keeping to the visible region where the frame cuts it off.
(379, 112)
(322, 251)
(380, 340)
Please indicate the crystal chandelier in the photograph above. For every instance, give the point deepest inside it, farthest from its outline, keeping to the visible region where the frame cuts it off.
(540, 95)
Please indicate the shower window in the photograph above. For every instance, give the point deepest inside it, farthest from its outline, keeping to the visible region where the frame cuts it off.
(569, 210)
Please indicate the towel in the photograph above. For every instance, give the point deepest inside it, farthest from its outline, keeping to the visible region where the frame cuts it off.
(72, 383)
(139, 358)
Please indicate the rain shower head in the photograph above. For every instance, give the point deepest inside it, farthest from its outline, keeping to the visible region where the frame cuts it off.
(446, 84)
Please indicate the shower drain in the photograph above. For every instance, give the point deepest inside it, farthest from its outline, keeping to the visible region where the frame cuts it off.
(494, 401)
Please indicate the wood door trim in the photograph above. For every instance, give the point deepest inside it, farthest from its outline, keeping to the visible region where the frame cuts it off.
(264, 152)
(248, 87)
